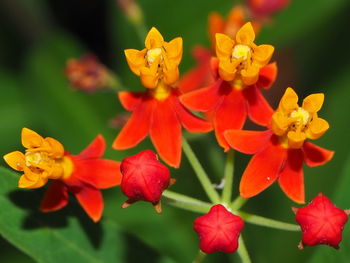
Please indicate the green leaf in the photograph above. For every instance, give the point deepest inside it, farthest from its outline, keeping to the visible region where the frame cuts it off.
(54, 237)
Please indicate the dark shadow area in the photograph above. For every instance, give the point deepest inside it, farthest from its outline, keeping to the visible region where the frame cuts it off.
(143, 251)
(30, 200)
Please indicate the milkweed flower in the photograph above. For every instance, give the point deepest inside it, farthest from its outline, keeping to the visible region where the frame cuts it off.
(218, 230)
(242, 71)
(157, 111)
(321, 222)
(87, 74)
(83, 175)
(265, 8)
(144, 179)
(280, 151)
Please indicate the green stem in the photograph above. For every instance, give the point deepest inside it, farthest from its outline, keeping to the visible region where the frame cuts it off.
(185, 202)
(228, 177)
(267, 222)
(201, 255)
(242, 251)
(238, 203)
(201, 174)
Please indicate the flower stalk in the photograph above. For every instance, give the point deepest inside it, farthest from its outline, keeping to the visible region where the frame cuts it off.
(228, 177)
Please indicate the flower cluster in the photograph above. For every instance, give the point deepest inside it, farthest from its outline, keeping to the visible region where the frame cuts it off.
(226, 89)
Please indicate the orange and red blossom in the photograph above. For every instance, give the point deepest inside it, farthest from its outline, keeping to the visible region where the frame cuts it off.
(280, 151)
(87, 74)
(158, 62)
(82, 175)
(321, 222)
(144, 178)
(218, 230)
(157, 111)
(265, 8)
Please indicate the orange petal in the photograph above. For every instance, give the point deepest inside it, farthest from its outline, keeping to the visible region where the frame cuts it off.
(95, 149)
(235, 19)
(216, 24)
(174, 50)
(91, 200)
(203, 99)
(289, 100)
(31, 180)
(15, 160)
(55, 198)
(248, 142)
(296, 139)
(171, 73)
(224, 46)
(259, 110)
(166, 133)
(130, 100)
(230, 115)
(313, 103)
(190, 122)
(267, 76)
(250, 75)
(137, 127)
(263, 54)
(291, 178)
(31, 139)
(57, 149)
(149, 76)
(245, 34)
(100, 173)
(135, 59)
(154, 39)
(262, 170)
(228, 69)
(317, 128)
(315, 155)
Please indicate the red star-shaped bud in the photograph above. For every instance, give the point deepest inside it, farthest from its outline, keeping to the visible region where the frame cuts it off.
(321, 222)
(218, 230)
(144, 178)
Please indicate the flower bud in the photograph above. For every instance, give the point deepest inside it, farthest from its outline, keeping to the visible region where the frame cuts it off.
(321, 222)
(144, 179)
(218, 230)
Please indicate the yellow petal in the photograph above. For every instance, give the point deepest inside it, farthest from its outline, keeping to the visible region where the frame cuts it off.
(154, 39)
(227, 70)
(135, 59)
(263, 54)
(171, 73)
(30, 139)
(289, 100)
(317, 128)
(250, 75)
(313, 103)
(296, 139)
(245, 34)
(174, 50)
(32, 181)
(57, 150)
(15, 160)
(149, 77)
(224, 46)
(279, 123)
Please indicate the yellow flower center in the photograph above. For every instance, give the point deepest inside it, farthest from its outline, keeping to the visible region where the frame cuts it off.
(300, 116)
(241, 52)
(68, 167)
(161, 92)
(153, 54)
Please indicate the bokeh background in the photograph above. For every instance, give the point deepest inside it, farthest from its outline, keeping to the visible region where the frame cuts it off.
(37, 37)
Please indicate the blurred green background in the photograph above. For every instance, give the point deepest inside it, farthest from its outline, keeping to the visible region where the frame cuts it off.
(37, 37)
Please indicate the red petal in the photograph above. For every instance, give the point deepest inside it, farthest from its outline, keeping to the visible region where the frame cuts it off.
(291, 178)
(259, 110)
(130, 100)
(262, 170)
(190, 122)
(248, 142)
(95, 149)
(137, 127)
(201, 74)
(315, 155)
(203, 99)
(166, 133)
(100, 173)
(91, 200)
(55, 198)
(267, 76)
(230, 115)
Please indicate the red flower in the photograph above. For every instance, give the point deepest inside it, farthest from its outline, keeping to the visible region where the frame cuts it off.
(280, 151)
(161, 118)
(218, 230)
(265, 8)
(321, 222)
(229, 107)
(89, 174)
(144, 179)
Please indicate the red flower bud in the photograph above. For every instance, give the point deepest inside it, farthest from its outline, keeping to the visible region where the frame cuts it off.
(321, 222)
(144, 179)
(218, 230)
